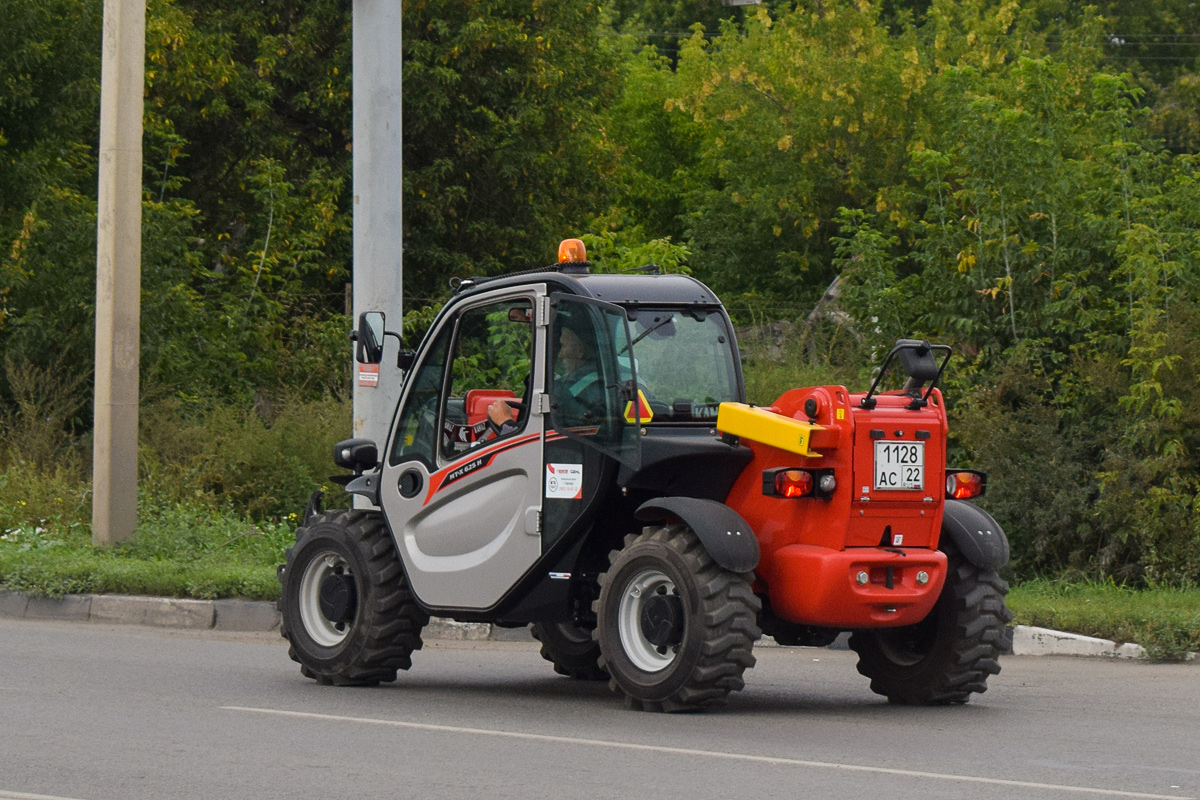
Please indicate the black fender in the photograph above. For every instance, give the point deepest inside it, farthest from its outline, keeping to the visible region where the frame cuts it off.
(722, 531)
(976, 534)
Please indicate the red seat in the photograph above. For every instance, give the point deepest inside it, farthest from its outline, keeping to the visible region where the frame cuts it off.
(478, 400)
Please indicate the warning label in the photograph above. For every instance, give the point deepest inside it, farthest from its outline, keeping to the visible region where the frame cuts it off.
(640, 414)
(564, 481)
(368, 374)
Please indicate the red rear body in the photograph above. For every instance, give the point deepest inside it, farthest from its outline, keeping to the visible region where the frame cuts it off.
(866, 555)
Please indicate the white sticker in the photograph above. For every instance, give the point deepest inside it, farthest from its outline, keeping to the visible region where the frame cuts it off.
(564, 481)
(898, 540)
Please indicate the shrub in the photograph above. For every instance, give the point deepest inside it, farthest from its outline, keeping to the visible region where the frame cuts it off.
(263, 463)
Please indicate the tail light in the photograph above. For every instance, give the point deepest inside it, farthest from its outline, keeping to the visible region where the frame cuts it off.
(963, 484)
(794, 482)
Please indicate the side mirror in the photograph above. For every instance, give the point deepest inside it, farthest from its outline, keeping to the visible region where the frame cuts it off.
(370, 337)
(916, 359)
(919, 364)
(356, 454)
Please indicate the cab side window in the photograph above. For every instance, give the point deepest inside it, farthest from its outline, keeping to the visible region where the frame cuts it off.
(591, 370)
(488, 386)
(416, 438)
(578, 385)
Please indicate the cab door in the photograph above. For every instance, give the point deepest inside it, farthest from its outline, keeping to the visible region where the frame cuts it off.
(463, 497)
(592, 380)
(593, 422)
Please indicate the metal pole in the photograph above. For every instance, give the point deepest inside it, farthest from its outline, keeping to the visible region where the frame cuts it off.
(377, 199)
(118, 272)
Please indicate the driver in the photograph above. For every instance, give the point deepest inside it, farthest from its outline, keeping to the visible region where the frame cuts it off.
(577, 390)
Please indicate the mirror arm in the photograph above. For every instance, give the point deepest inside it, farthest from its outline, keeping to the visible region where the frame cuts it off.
(404, 357)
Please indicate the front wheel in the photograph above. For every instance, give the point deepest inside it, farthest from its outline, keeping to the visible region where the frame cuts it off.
(675, 629)
(348, 615)
(949, 655)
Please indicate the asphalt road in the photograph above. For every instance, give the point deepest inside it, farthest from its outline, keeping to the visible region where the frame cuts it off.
(91, 712)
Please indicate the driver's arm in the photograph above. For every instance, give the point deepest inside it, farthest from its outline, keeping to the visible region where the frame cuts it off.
(501, 414)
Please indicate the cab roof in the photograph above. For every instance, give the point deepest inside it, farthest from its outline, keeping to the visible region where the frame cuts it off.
(621, 289)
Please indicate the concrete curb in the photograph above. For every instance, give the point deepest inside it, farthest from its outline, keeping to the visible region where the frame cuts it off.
(159, 612)
(1029, 641)
(221, 615)
(259, 616)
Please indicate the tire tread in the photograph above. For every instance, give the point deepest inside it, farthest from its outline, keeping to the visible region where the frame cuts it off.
(728, 612)
(391, 621)
(955, 668)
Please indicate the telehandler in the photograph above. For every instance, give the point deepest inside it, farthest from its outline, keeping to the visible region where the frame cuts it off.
(574, 451)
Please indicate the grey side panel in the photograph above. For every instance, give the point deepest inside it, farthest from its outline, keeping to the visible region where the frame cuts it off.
(473, 540)
(978, 537)
(725, 535)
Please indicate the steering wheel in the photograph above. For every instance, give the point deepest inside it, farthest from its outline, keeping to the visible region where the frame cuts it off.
(496, 430)
(492, 427)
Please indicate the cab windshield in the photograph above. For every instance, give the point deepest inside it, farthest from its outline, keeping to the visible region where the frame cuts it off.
(685, 362)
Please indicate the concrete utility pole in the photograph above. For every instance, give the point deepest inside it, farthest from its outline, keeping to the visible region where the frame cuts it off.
(378, 186)
(377, 240)
(118, 272)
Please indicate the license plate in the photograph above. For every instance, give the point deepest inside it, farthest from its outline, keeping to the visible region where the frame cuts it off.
(899, 465)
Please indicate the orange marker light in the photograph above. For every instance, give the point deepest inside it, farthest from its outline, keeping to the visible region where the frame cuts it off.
(571, 251)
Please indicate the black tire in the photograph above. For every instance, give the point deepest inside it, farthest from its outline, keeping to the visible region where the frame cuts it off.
(571, 650)
(675, 629)
(348, 615)
(948, 655)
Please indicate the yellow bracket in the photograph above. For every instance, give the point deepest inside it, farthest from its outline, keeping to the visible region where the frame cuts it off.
(760, 425)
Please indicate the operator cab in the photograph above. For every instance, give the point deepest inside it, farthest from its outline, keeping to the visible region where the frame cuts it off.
(542, 405)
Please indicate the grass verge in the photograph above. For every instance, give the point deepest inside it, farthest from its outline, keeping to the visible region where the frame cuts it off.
(199, 552)
(181, 551)
(1164, 621)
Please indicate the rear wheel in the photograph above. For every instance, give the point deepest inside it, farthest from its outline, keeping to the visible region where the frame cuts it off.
(675, 629)
(571, 650)
(347, 612)
(949, 655)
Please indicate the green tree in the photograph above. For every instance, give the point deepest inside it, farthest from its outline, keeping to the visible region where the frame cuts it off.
(501, 152)
(49, 91)
(799, 113)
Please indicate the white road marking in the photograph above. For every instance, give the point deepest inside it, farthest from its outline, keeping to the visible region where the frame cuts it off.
(19, 796)
(684, 751)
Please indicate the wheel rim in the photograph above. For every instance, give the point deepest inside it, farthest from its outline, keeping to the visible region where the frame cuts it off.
(325, 567)
(908, 646)
(642, 590)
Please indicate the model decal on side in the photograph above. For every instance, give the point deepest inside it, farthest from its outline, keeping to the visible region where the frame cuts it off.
(564, 481)
(481, 460)
(467, 468)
